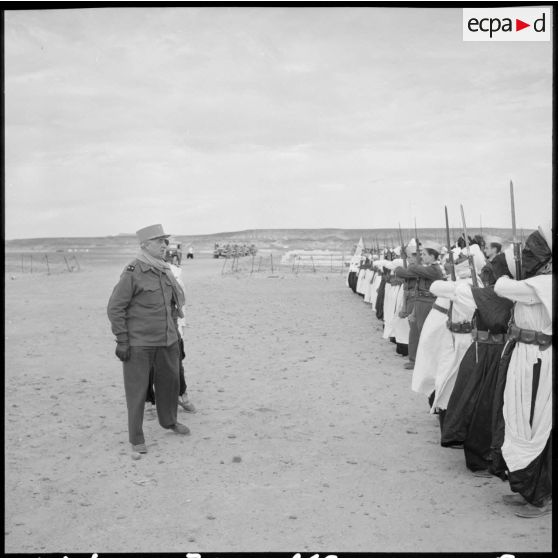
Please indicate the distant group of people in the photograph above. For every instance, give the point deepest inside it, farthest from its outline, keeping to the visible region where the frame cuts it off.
(173, 254)
(474, 323)
(234, 250)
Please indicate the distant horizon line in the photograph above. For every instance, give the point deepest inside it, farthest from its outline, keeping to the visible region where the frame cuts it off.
(394, 229)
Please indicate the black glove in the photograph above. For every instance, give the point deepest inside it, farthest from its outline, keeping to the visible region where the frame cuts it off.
(122, 351)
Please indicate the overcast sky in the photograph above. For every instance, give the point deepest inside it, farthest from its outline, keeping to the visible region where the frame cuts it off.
(222, 119)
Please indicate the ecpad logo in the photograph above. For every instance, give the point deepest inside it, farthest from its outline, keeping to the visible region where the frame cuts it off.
(506, 24)
(495, 24)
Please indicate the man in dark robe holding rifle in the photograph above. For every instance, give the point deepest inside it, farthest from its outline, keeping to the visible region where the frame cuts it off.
(468, 418)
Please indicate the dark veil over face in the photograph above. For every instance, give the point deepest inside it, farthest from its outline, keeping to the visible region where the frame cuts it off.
(536, 254)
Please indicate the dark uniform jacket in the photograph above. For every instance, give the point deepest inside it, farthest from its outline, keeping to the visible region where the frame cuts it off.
(142, 309)
(426, 274)
(418, 279)
(493, 270)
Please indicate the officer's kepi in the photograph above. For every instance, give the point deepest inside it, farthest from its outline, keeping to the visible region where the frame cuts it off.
(151, 232)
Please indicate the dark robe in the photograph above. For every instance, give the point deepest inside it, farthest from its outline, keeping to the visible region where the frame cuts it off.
(468, 418)
(534, 482)
(380, 297)
(402, 349)
(352, 280)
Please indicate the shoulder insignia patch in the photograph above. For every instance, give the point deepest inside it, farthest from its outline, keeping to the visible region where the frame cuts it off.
(131, 267)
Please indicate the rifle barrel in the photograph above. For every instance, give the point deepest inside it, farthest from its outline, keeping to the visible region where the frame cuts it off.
(419, 257)
(471, 262)
(450, 253)
(516, 244)
(514, 230)
(403, 252)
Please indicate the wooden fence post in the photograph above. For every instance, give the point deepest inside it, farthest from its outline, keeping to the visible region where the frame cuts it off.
(22, 263)
(48, 266)
(271, 256)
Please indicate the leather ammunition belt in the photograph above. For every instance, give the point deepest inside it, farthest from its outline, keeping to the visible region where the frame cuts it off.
(489, 338)
(426, 294)
(440, 308)
(463, 327)
(529, 336)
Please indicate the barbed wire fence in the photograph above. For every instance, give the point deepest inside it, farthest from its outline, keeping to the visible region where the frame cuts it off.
(333, 263)
(270, 263)
(41, 262)
(250, 264)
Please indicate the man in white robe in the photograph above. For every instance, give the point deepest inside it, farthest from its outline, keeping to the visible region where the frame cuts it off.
(389, 303)
(354, 265)
(452, 348)
(527, 409)
(435, 334)
(460, 314)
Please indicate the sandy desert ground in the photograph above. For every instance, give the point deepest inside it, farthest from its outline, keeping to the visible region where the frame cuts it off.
(289, 374)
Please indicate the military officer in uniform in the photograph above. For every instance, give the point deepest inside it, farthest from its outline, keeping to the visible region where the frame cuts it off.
(423, 274)
(143, 311)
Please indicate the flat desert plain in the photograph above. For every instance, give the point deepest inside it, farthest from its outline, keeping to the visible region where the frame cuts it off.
(307, 436)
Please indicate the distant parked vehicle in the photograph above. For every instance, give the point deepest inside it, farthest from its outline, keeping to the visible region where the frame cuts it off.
(174, 254)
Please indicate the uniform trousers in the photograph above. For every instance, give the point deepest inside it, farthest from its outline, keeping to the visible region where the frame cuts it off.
(150, 397)
(413, 339)
(165, 363)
